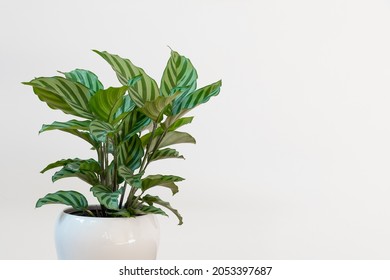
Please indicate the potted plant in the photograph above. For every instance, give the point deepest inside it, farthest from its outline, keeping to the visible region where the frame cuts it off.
(129, 127)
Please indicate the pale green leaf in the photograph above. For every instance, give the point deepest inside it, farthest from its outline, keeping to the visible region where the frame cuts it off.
(155, 109)
(157, 200)
(60, 93)
(165, 154)
(172, 138)
(106, 103)
(145, 89)
(167, 181)
(149, 209)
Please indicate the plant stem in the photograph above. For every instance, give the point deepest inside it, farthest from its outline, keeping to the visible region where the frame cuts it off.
(122, 196)
(115, 161)
(155, 148)
(90, 212)
(101, 163)
(146, 156)
(107, 170)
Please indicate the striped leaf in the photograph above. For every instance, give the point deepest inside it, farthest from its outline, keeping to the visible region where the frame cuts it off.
(177, 123)
(179, 73)
(127, 106)
(165, 154)
(71, 198)
(72, 124)
(100, 130)
(145, 89)
(170, 125)
(149, 199)
(87, 176)
(60, 93)
(130, 153)
(72, 127)
(167, 181)
(128, 175)
(149, 209)
(84, 165)
(106, 102)
(196, 98)
(106, 196)
(156, 108)
(172, 138)
(59, 163)
(132, 124)
(86, 78)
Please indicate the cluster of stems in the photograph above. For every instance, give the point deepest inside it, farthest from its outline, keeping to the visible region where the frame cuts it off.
(109, 168)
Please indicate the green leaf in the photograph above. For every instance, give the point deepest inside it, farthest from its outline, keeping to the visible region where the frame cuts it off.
(167, 181)
(132, 124)
(106, 102)
(60, 93)
(149, 209)
(75, 165)
(171, 122)
(106, 196)
(155, 109)
(71, 198)
(86, 78)
(59, 163)
(174, 137)
(149, 199)
(84, 165)
(72, 127)
(130, 153)
(128, 175)
(87, 176)
(179, 73)
(145, 89)
(165, 154)
(72, 124)
(100, 130)
(127, 106)
(124, 213)
(193, 99)
(177, 123)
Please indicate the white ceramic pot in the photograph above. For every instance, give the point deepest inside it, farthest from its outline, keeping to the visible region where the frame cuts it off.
(79, 237)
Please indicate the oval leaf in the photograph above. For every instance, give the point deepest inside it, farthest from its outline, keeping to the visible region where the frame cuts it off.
(179, 73)
(60, 93)
(86, 78)
(106, 102)
(71, 198)
(196, 98)
(149, 199)
(145, 89)
(106, 196)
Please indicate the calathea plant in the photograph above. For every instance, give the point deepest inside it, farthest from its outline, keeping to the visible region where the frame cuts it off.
(129, 127)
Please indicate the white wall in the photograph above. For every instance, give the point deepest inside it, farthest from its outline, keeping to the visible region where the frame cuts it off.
(293, 157)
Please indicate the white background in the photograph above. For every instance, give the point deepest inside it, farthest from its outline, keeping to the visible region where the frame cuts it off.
(293, 156)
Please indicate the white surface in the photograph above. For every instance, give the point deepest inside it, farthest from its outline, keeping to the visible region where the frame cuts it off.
(91, 238)
(292, 160)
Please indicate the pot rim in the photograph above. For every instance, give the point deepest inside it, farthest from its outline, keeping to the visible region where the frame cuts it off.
(71, 212)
